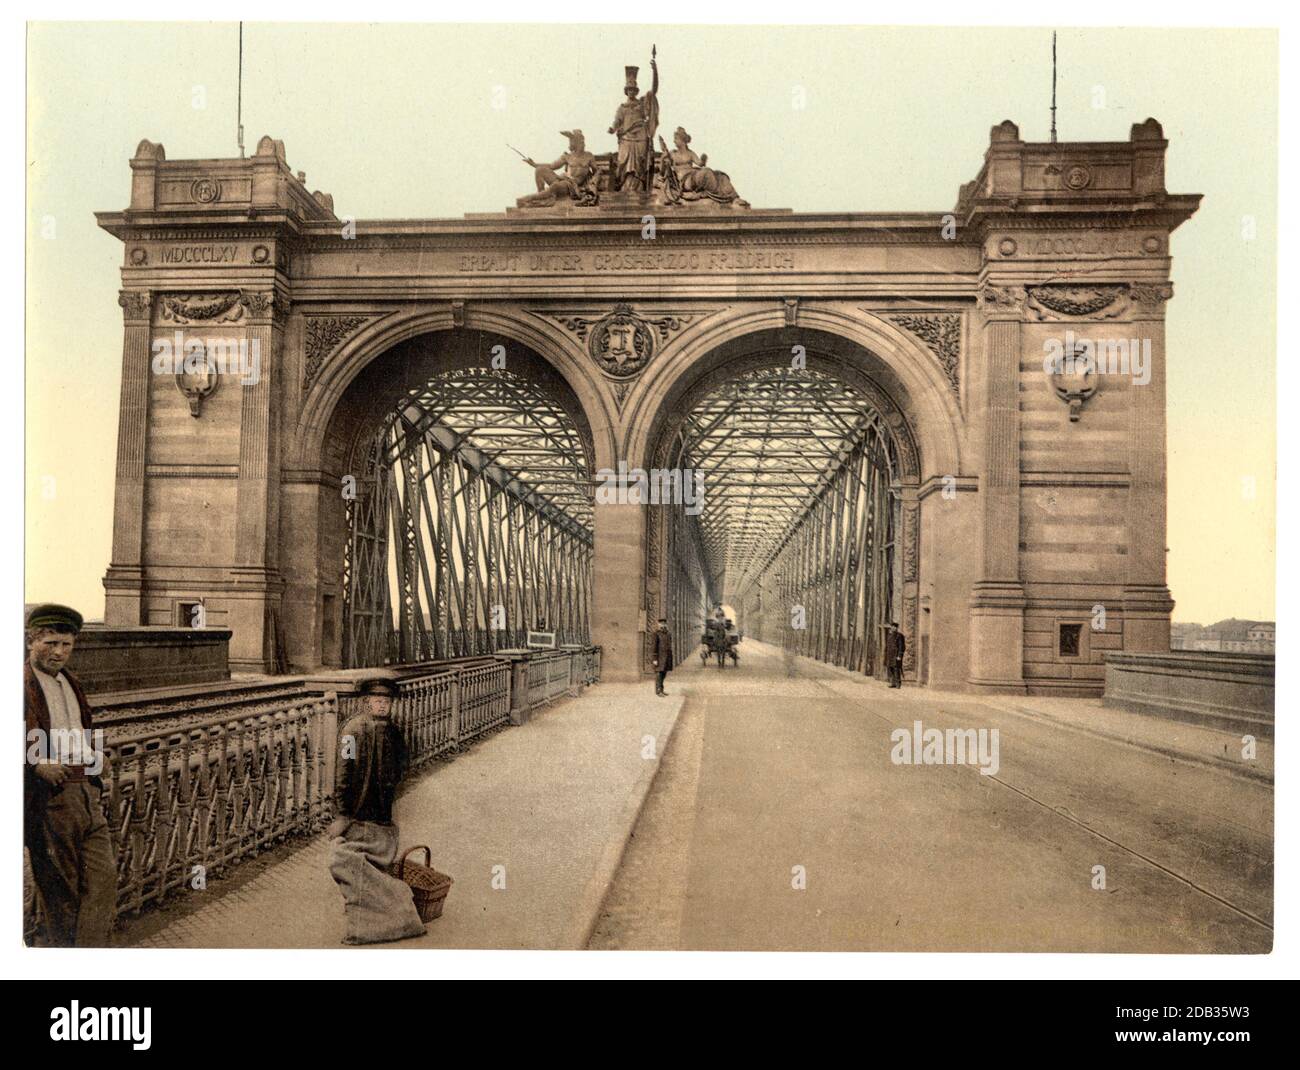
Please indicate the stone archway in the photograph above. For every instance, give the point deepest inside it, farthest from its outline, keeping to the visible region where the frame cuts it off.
(827, 359)
(353, 397)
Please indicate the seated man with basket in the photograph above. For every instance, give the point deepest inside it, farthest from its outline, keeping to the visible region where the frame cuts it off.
(380, 901)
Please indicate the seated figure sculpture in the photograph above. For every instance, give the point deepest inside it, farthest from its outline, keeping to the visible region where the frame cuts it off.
(577, 183)
(686, 177)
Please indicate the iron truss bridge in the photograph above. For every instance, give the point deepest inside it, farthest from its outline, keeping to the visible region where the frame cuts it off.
(799, 515)
(471, 524)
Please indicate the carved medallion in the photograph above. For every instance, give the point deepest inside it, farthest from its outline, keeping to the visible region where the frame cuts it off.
(623, 342)
(1077, 177)
(205, 190)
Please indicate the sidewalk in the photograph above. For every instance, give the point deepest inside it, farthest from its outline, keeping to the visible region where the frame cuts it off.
(1200, 745)
(544, 809)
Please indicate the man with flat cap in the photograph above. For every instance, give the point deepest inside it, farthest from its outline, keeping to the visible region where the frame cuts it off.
(371, 763)
(64, 827)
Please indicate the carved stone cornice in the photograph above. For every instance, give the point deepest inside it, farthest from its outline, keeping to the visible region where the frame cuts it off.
(942, 335)
(235, 232)
(322, 336)
(136, 305)
(885, 235)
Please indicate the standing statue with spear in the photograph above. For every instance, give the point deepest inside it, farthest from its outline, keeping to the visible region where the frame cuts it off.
(635, 124)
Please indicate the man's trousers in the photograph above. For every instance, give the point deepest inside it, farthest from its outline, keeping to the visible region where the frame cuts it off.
(75, 869)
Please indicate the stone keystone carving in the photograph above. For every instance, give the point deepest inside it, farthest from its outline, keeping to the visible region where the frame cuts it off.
(623, 342)
(323, 335)
(942, 335)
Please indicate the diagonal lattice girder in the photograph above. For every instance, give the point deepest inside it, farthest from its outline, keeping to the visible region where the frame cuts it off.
(472, 524)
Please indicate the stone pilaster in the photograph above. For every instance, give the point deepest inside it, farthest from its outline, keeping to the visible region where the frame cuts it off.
(124, 581)
(1147, 601)
(257, 586)
(997, 634)
(617, 614)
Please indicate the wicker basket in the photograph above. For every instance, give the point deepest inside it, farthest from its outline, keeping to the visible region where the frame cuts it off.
(429, 888)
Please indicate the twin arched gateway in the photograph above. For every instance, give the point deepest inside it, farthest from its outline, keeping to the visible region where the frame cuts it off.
(393, 440)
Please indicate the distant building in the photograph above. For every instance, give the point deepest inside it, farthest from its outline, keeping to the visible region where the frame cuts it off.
(1230, 636)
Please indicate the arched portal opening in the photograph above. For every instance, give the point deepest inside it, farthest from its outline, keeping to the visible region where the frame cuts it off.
(805, 468)
(467, 515)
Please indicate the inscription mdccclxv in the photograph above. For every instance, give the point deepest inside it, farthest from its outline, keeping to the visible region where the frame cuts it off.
(199, 254)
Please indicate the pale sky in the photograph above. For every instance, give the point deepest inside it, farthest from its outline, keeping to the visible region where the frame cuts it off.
(412, 121)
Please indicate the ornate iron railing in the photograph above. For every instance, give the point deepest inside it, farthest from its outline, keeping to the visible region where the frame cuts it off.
(189, 801)
(551, 675)
(195, 799)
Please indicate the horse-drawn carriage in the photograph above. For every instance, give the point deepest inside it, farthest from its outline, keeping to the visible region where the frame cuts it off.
(719, 641)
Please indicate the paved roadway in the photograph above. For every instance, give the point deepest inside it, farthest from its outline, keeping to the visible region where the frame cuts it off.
(619, 820)
(768, 771)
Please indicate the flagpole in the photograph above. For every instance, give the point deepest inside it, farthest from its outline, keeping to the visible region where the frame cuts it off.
(239, 106)
(1053, 87)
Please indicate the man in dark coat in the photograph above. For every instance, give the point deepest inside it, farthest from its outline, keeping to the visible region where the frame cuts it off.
(663, 654)
(372, 761)
(895, 645)
(66, 834)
